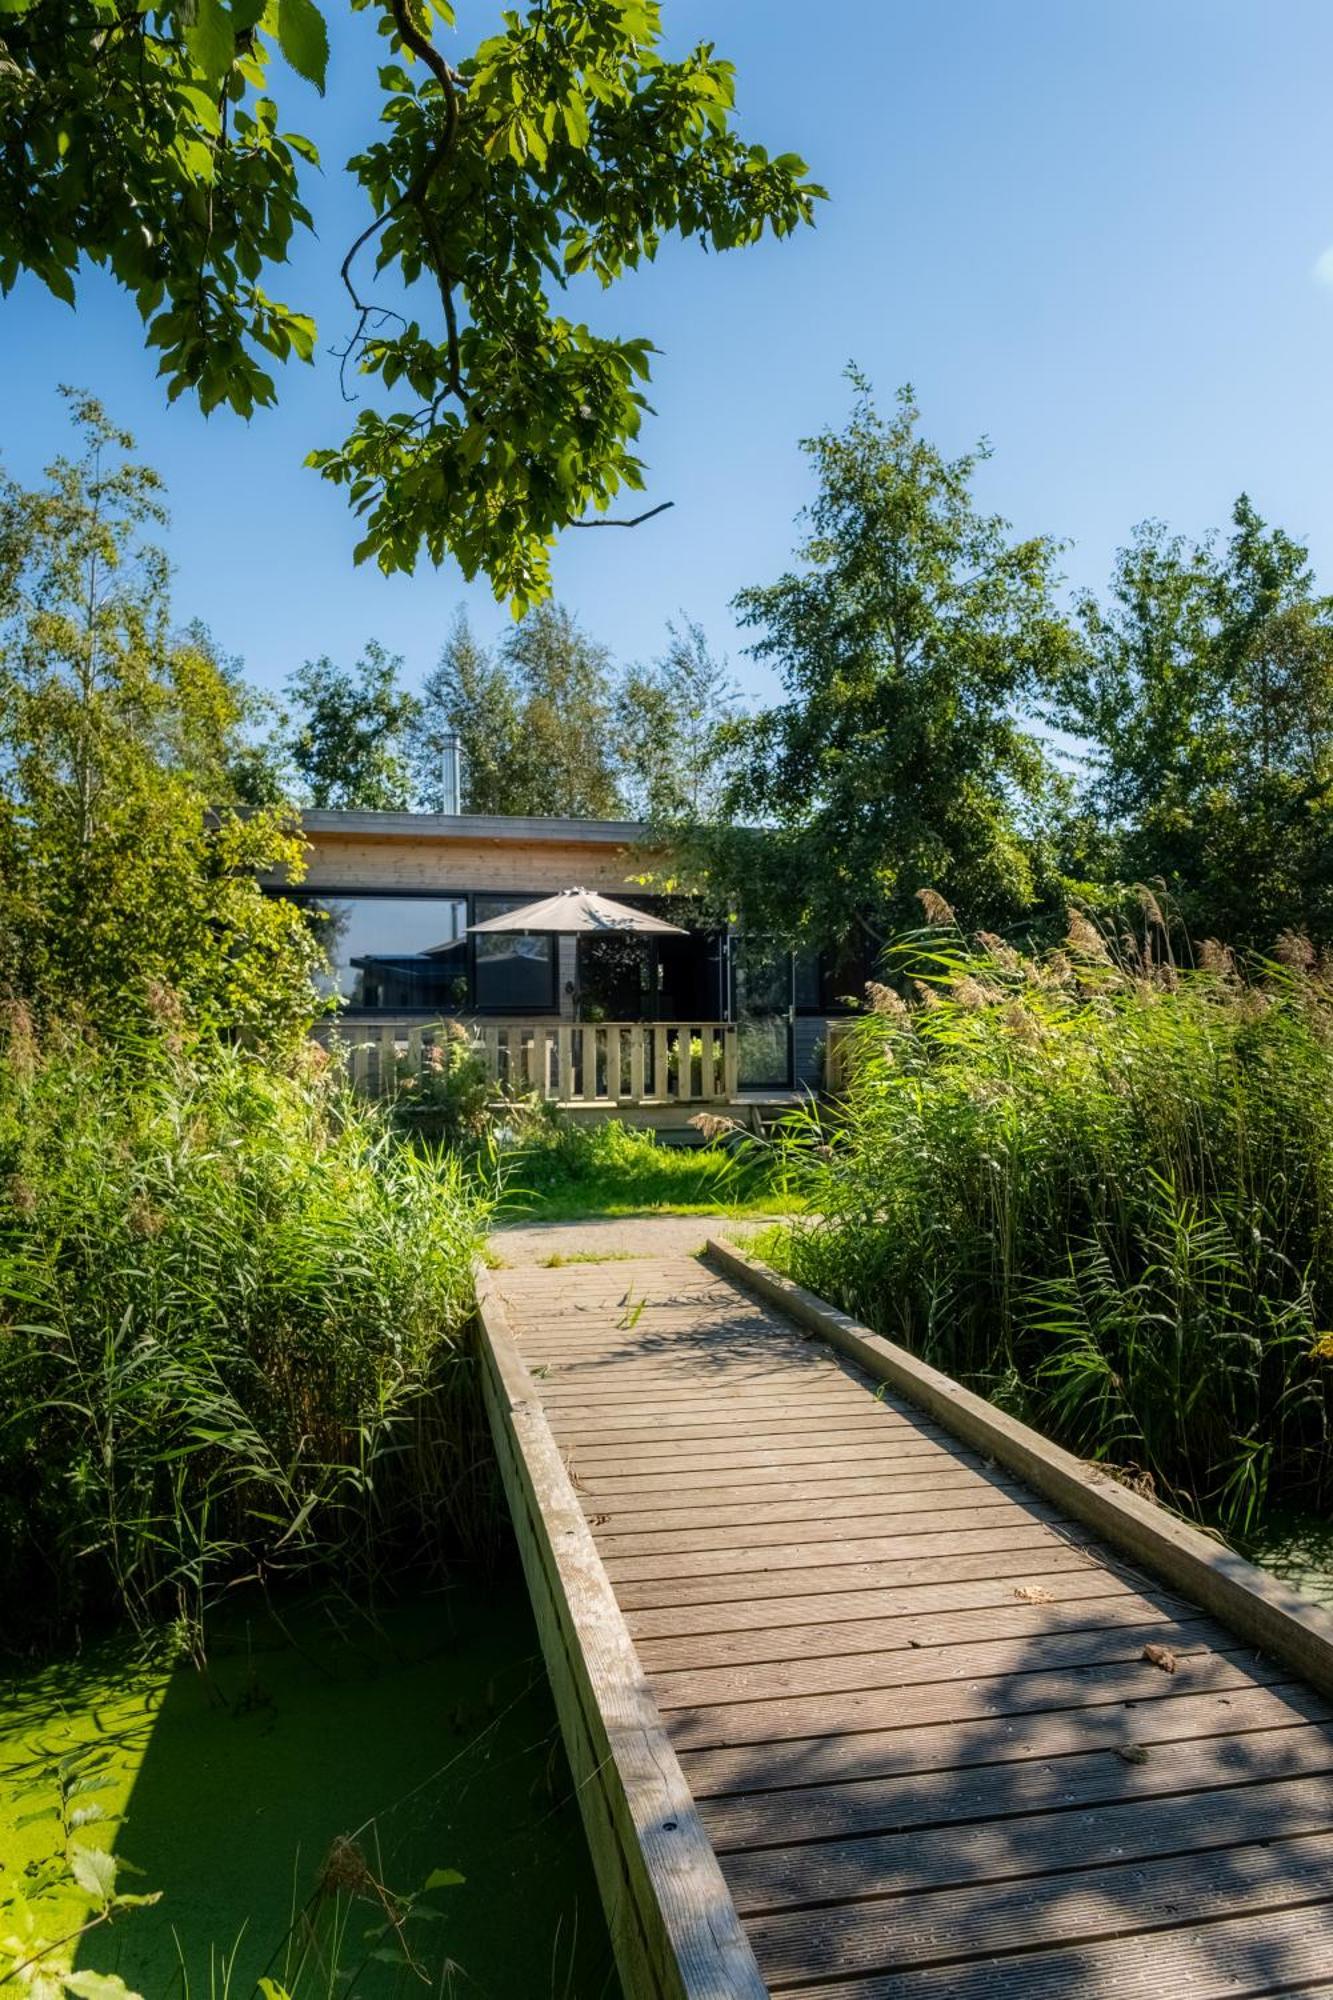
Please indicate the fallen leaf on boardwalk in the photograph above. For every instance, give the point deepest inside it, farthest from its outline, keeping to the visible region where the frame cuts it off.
(1035, 1593)
(1160, 1656)
(1131, 1753)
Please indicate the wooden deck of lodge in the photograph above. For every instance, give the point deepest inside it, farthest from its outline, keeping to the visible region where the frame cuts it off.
(856, 1711)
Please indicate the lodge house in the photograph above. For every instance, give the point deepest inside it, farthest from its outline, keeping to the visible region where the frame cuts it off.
(398, 894)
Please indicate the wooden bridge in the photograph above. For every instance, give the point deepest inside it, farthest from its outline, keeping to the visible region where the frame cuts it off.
(870, 1693)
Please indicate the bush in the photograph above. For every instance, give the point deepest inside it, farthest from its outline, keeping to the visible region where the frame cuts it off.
(446, 1099)
(1101, 1191)
(231, 1306)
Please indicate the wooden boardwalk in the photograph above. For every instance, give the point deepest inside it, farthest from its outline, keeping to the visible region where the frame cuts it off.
(893, 1709)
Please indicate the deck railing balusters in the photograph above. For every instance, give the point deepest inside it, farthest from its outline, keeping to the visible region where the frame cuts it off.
(614, 1063)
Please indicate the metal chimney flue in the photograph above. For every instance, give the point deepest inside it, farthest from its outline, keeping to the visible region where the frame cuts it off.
(451, 774)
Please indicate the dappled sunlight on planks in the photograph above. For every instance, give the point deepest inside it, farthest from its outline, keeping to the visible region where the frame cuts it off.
(909, 1696)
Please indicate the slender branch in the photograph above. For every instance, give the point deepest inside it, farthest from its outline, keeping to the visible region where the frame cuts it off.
(639, 519)
(414, 196)
(421, 45)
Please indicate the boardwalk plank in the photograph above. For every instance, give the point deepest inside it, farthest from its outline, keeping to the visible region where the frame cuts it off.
(702, 1403)
(701, 1556)
(1240, 1959)
(792, 1679)
(1231, 1702)
(1007, 1551)
(1134, 1897)
(941, 1859)
(616, 1470)
(740, 1499)
(761, 1527)
(654, 1439)
(919, 1707)
(908, 1696)
(909, 1630)
(1064, 1574)
(1041, 1784)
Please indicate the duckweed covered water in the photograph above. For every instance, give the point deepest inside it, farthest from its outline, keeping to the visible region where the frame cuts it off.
(428, 1740)
(1297, 1546)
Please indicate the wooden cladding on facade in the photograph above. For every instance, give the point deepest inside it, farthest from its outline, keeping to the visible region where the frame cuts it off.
(504, 867)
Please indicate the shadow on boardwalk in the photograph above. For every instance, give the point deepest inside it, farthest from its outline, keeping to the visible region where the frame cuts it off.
(914, 1705)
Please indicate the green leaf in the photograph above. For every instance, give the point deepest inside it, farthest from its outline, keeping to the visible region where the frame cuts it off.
(94, 1870)
(303, 333)
(58, 280)
(444, 1878)
(211, 39)
(98, 1986)
(576, 120)
(304, 39)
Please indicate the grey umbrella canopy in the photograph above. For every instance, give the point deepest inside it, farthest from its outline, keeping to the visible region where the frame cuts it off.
(580, 913)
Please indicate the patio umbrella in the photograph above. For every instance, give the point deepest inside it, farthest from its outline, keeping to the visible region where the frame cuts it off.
(579, 913)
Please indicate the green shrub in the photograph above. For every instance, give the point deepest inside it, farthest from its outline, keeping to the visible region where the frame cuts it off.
(1101, 1190)
(446, 1098)
(231, 1305)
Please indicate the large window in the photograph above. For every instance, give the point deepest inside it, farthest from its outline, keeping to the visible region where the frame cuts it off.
(832, 981)
(514, 970)
(397, 953)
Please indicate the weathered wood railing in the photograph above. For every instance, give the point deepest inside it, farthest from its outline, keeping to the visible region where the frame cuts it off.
(568, 1062)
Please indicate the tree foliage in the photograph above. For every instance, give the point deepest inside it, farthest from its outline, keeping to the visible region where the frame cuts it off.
(152, 142)
(123, 866)
(470, 698)
(568, 701)
(1205, 716)
(534, 720)
(350, 750)
(669, 722)
(911, 641)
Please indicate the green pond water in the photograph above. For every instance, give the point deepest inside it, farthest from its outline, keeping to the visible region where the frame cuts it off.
(1298, 1547)
(429, 1738)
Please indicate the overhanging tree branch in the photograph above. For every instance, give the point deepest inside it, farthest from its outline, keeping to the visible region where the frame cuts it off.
(598, 522)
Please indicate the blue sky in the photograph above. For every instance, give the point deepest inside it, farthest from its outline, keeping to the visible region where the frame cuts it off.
(1090, 229)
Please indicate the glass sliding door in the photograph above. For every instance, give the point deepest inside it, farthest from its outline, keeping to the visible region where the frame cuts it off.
(761, 983)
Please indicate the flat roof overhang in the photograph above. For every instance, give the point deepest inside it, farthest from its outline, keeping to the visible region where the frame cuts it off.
(505, 829)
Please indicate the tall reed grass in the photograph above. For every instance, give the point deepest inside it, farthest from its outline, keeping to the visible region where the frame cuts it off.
(1099, 1188)
(231, 1309)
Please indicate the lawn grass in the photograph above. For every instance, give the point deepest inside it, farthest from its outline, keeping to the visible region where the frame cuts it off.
(571, 1172)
